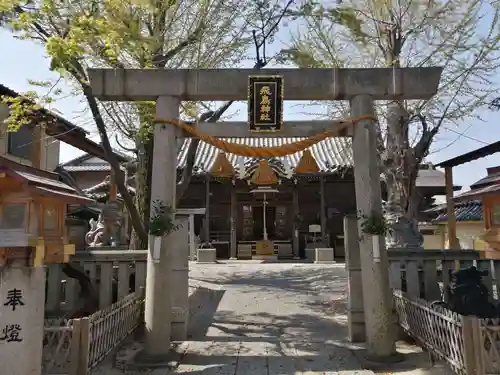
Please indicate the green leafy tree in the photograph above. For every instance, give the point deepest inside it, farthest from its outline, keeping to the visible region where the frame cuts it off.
(461, 36)
(78, 34)
(135, 34)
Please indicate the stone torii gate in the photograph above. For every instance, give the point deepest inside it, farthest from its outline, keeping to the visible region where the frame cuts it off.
(169, 87)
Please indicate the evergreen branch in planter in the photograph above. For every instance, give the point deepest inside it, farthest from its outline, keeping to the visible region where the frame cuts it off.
(206, 245)
(374, 225)
(162, 220)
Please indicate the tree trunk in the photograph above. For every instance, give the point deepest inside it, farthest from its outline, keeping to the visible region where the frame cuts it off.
(87, 291)
(143, 176)
(400, 172)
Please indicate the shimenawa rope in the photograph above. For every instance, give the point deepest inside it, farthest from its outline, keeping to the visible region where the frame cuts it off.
(264, 152)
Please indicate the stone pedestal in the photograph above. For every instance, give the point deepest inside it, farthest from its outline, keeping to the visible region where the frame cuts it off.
(207, 256)
(324, 255)
(22, 292)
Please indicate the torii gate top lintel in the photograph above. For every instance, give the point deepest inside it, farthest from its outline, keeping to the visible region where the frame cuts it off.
(167, 261)
(232, 84)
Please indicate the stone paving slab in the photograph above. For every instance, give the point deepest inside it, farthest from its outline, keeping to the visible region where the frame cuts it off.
(266, 358)
(267, 319)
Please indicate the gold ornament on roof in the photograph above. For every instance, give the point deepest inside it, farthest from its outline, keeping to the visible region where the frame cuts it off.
(307, 163)
(222, 167)
(264, 174)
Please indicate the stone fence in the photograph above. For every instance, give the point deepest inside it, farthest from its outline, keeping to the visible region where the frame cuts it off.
(113, 273)
(426, 274)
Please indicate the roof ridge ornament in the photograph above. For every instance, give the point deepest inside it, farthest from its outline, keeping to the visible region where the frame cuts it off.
(264, 174)
(222, 167)
(307, 163)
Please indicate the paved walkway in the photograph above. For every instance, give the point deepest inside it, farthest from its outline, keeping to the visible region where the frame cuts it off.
(269, 319)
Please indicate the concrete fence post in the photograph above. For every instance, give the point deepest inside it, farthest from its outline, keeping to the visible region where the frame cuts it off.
(473, 346)
(83, 361)
(76, 331)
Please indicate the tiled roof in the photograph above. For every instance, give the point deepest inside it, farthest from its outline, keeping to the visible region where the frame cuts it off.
(88, 168)
(39, 180)
(464, 211)
(488, 180)
(42, 182)
(60, 193)
(73, 165)
(477, 193)
(330, 153)
(276, 165)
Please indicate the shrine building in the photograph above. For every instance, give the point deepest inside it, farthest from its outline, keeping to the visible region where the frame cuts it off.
(295, 200)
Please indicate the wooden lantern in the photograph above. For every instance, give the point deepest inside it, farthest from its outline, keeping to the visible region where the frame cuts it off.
(32, 214)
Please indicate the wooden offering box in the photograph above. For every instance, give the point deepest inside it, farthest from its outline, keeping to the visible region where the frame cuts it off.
(32, 215)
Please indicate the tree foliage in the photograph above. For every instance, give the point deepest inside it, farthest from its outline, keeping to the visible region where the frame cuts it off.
(461, 36)
(78, 34)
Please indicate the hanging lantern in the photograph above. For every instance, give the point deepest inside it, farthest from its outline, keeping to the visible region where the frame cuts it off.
(222, 167)
(307, 163)
(264, 174)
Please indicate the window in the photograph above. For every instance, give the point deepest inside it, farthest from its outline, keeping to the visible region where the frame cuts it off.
(19, 142)
(50, 219)
(13, 216)
(495, 214)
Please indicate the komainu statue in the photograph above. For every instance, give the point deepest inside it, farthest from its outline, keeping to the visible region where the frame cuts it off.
(97, 235)
(405, 234)
(467, 294)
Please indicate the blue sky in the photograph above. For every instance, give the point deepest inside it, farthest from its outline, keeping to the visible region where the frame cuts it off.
(23, 60)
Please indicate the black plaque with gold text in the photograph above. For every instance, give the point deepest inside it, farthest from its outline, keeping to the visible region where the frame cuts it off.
(265, 103)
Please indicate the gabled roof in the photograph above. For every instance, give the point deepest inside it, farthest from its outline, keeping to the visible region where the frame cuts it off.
(464, 211)
(330, 154)
(490, 179)
(87, 162)
(41, 182)
(485, 186)
(62, 129)
(478, 193)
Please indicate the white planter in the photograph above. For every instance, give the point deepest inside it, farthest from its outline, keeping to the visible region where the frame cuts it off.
(206, 256)
(376, 248)
(324, 255)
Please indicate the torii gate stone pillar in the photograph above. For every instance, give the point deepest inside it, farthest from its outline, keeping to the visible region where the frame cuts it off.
(159, 283)
(360, 86)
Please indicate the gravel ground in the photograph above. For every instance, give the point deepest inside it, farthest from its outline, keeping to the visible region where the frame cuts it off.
(267, 319)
